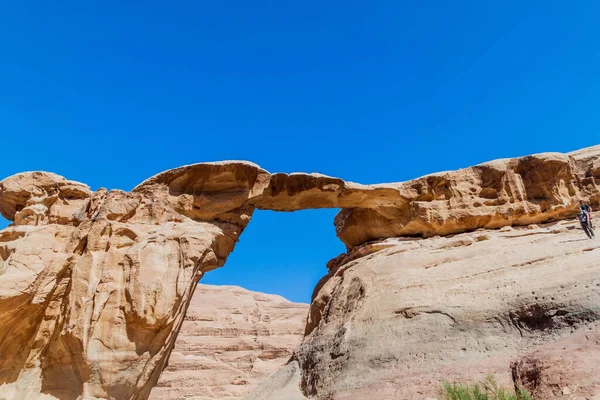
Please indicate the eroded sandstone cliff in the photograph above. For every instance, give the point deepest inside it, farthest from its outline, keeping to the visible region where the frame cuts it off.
(231, 340)
(95, 285)
(395, 323)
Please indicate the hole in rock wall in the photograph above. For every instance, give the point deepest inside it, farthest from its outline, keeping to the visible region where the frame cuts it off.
(282, 253)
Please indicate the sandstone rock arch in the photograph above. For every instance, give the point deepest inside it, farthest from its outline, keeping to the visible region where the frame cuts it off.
(94, 285)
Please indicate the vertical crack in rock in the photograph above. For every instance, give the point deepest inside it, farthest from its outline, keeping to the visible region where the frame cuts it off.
(94, 286)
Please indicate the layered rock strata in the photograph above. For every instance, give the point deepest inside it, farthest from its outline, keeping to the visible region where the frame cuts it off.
(95, 285)
(396, 323)
(231, 340)
(518, 191)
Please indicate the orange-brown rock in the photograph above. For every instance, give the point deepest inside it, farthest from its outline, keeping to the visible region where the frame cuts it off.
(230, 341)
(519, 191)
(210, 192)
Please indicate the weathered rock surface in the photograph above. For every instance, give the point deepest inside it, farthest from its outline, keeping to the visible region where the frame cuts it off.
(94, 286)
(410, 313)
(231, 340)
(519, 191)
(567, 369)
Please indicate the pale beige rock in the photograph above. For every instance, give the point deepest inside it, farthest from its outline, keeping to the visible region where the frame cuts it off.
(283, 385)
(36, 198)
(397, 322)
(230, 341)
(94, 286)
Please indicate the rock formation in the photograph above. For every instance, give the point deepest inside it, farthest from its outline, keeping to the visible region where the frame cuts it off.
(499, 193)
(563, 370)
(396, 323)
(231, 339)
(95, 285)
(519, 191)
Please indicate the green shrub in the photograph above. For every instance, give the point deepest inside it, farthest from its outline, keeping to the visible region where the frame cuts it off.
(487, 390)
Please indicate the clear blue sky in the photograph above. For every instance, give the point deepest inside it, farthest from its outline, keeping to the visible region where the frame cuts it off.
(109, 93)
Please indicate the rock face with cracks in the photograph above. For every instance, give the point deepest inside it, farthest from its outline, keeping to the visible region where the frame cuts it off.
(521, 303)
(230, 341)
(518, 191)
(94, 286)
(564, 370)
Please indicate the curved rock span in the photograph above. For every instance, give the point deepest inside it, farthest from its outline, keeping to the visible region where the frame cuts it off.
(517, 191)
(95, 285)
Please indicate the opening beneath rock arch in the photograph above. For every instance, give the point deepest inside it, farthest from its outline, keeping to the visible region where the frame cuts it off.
(282, 253)
(3, 222)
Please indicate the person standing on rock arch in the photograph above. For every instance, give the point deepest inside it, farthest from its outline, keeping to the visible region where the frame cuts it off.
(583, 206)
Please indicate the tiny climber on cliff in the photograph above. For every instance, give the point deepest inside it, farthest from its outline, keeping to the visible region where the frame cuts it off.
(584, 207)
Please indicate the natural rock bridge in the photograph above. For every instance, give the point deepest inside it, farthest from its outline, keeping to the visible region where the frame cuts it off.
(94, 285)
